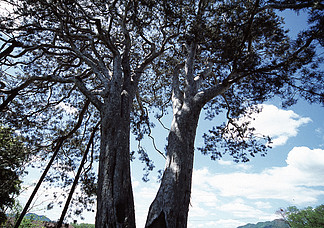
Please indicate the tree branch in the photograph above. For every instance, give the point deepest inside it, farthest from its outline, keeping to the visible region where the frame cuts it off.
(10, 49)
(202, 76)
(83, 89)
(14, 92)
(288, 60)
(144, 113)
(204, 96)
(126, 53)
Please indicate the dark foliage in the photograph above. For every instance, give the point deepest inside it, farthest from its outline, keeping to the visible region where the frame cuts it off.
(13, 156)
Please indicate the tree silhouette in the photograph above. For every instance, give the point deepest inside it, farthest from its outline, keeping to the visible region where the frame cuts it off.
(83, 62)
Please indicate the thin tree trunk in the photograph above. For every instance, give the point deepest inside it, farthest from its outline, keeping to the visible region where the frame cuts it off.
(76, 179)
(40, 181)
(115, 203)
(171, 205)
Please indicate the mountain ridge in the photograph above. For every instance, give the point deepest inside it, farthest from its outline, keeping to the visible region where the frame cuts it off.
(277, 223)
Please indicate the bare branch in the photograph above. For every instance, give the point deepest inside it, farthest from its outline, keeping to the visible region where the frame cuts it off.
(126, 53)
(202, 97)
(9, 49)
(92, 63)
(230, 120)
(202, 76)
(175, 82)
(14, 92)
(144, 113)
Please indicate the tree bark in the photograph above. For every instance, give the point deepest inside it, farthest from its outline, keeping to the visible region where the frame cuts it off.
(170, 207)
(115, 203)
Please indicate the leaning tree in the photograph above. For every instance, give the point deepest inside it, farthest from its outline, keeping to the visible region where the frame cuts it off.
(231, 56)
(68, 66)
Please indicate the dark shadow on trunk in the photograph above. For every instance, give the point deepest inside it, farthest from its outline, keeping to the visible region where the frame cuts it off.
(159, 222)
(115, 203)
(170, 207)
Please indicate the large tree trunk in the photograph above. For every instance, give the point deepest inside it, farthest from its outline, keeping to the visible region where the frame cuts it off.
(171, 205)
(115, 203)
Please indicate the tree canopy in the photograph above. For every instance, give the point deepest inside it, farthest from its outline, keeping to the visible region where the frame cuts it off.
(307, 217)
(241, 56)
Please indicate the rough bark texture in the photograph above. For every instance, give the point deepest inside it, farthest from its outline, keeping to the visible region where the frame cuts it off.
(170, 207)
(115, 203)
(115, 197)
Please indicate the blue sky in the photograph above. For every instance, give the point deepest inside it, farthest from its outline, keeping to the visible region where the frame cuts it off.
(226, 194)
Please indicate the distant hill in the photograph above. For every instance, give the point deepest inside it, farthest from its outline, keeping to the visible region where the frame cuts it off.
(35, 220)
(36, 217)
(278, 223)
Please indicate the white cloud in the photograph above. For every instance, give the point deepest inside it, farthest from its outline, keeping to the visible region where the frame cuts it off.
(320, 134)
(144, 195)
(222, 162)
(240, 197)
(279, 124)
(239, 209)
(69, 109)
(223, 223)
(230, 200)
(135, 183)
(262, 205)
(318, 131)
(5, 8)
(199, 212)
(201, 196)
(307, 160)
(292, 183)
(243, 166)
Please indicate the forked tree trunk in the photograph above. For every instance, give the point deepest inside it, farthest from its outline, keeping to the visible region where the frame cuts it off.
(170, 207)
(115, 203)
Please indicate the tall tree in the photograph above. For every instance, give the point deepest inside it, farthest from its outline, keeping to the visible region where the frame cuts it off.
(81, 62)
(12, 159)
(234, 56)
(222, 55)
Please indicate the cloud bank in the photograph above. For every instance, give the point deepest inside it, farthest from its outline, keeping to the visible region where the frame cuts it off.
(279, 124)
(248, 195)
